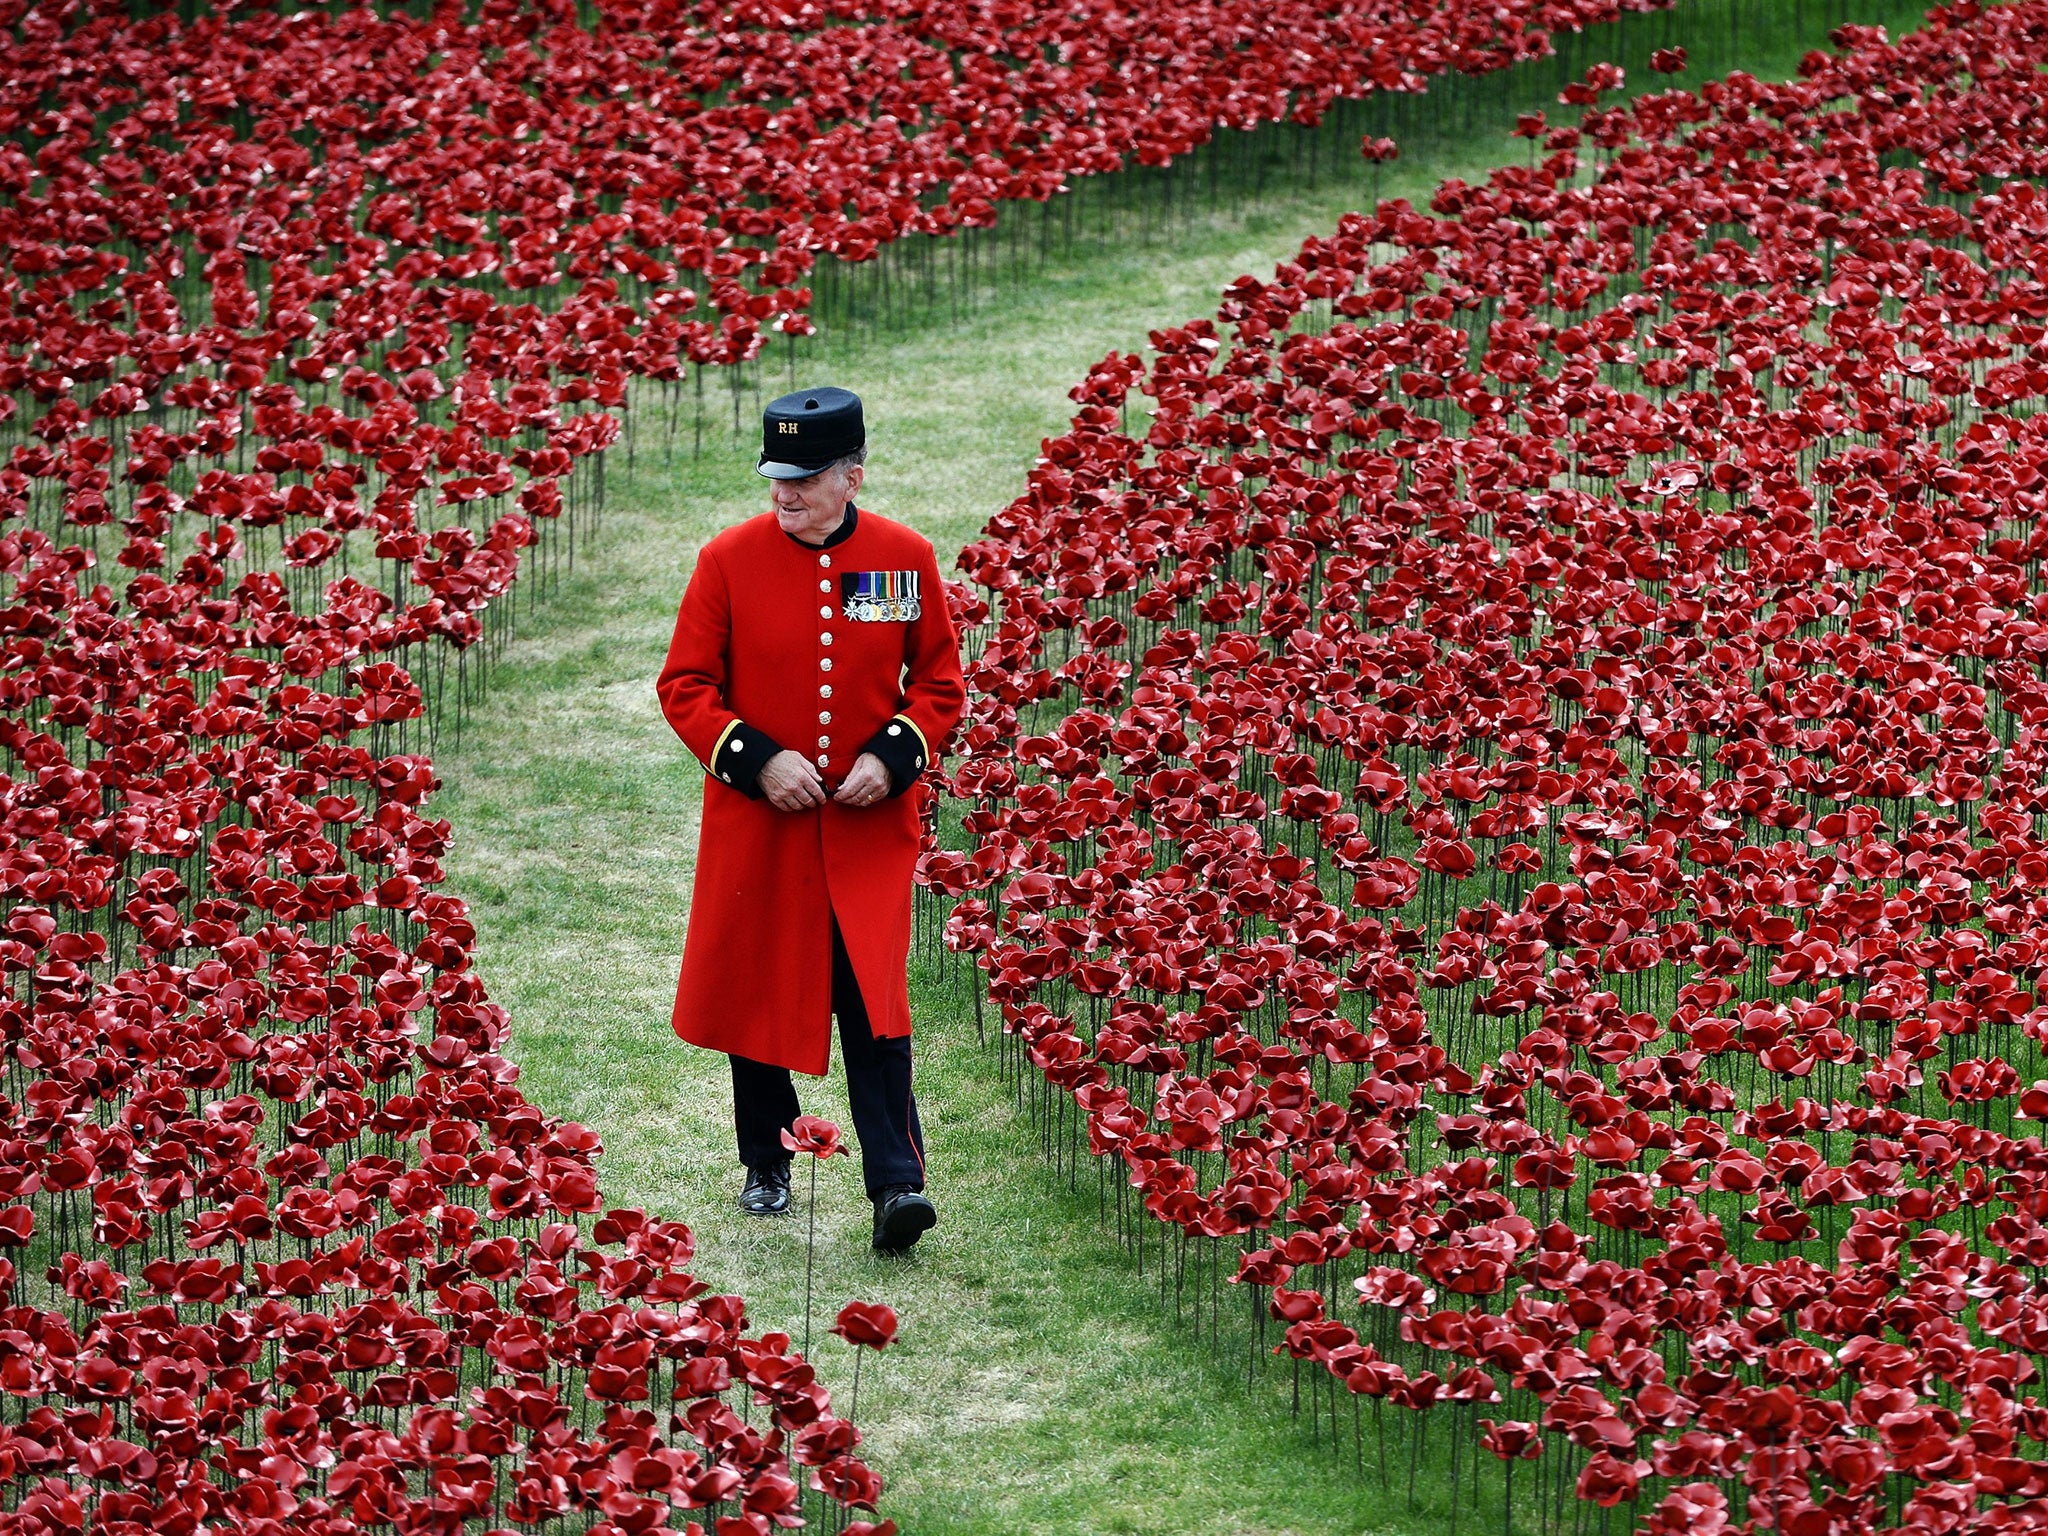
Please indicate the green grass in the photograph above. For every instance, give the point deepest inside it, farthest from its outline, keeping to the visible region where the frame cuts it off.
(1038, 1386)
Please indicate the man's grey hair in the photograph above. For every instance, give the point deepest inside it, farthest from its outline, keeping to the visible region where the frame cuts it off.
(857, 457)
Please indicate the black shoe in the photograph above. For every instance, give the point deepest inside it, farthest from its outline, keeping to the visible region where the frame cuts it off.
(767, 1189)
(902, 1215)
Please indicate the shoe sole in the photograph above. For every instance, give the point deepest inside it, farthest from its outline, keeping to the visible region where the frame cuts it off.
(906, 1225)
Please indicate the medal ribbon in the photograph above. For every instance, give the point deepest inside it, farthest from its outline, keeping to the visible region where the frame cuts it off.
(885, 586)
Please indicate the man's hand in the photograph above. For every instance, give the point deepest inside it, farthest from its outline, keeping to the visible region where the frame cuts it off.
(792, 783)
(867, 784)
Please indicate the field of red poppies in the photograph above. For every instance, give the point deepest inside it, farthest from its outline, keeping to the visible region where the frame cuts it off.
(318, 327)
(1503, 799)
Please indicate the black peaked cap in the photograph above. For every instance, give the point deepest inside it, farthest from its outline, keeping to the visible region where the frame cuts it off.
(803, 432)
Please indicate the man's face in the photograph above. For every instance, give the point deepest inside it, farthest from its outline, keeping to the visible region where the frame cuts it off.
(812, 507)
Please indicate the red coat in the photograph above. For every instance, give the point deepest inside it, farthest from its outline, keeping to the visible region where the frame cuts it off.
(783, 645)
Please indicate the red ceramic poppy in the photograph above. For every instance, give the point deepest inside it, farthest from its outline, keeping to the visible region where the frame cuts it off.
(820, 1138)
(871, 1324)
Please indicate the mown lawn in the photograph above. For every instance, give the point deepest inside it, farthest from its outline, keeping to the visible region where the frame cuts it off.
(1038, 1386)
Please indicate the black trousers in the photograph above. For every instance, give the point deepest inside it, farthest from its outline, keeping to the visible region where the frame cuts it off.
(877, 1089)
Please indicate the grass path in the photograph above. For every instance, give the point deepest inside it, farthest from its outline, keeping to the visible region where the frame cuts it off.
(1038, 1386)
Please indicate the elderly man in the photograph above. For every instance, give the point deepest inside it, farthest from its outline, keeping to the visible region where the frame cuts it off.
(815, 674)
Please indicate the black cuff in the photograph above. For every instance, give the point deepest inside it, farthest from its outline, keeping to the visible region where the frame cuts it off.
(742, 753)
(901, 750)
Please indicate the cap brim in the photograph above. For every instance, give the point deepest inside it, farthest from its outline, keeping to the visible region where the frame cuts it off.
(775, 471)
